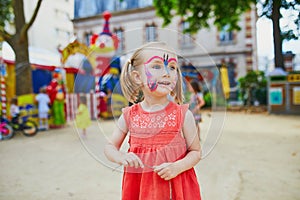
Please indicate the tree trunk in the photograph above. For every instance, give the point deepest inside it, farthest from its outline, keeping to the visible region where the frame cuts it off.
(279, 62)
(19, 43)
(22, 68)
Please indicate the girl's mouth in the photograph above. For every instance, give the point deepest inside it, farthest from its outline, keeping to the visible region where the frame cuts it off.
(164, 82)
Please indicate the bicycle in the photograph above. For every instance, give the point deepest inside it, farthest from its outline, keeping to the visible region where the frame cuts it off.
(26, 126)
(6, 131)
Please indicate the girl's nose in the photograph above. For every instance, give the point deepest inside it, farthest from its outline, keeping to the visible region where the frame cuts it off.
(166, 71)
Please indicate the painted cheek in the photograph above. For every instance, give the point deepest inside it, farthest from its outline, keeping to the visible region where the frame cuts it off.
(151, 82)
(173, 84)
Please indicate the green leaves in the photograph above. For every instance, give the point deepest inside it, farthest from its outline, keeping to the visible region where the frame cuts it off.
(199, 13)
(253, 87)
(6, 13)
(292, 7)
(163, 9)
(253, 79)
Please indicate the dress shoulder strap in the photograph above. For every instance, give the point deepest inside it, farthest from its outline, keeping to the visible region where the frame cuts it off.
(127, 113)
(183, 110)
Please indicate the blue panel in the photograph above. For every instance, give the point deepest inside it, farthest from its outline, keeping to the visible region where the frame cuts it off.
(40, 78)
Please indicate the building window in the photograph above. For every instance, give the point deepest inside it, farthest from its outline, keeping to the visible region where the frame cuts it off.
(226, 36)
(84, 8)
(186, 39)
(87, 38)
(151, 32)
(145, 3)
(120, 34)
(60, 14)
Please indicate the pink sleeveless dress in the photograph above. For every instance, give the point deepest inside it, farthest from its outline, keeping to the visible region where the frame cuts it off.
(156, 138)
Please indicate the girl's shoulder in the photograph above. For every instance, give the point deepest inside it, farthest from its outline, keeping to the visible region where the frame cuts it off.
(127, 112)
(199, 94)
(184, 107)
(129, 108)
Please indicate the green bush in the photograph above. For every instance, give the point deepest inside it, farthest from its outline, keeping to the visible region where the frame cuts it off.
(207, 99)
(253, 87)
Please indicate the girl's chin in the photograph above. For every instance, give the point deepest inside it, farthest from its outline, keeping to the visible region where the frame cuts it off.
(164, 89)
(170, 89)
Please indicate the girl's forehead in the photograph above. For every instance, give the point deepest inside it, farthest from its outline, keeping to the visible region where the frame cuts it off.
(149, 53)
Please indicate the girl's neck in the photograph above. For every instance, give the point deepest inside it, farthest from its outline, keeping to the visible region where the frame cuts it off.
(152, 104)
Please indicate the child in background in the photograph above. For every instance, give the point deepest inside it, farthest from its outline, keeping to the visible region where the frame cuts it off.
(163, 141)
(196, 102)
(83, 119)
(43, 101)
(14, 110)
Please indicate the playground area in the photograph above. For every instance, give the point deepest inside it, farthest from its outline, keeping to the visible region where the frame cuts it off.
(256, 157)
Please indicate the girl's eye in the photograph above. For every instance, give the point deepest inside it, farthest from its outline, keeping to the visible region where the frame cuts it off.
(156, 67)
(172, 67)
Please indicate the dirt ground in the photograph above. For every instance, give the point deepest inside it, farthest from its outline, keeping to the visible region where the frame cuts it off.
(257, 156)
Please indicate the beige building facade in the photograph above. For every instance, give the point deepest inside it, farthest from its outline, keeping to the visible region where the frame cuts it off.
(207, 48)
(53, 26)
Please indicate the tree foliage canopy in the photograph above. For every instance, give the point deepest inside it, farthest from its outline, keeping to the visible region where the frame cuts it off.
(6, 15)
(198, 13)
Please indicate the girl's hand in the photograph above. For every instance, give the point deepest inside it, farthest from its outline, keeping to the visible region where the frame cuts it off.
(194, 111)
(167, 171)
(132, 160)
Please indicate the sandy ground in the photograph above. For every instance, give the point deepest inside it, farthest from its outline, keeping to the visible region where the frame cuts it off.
(256, 157)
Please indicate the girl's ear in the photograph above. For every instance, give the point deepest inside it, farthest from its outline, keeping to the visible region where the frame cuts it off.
(136, 77)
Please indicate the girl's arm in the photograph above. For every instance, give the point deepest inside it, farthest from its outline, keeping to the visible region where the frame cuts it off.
(168, 171)
(201, 101)
(112, 148)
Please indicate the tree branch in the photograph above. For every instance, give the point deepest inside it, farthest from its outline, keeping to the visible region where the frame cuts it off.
(4, 35)
(29, 24)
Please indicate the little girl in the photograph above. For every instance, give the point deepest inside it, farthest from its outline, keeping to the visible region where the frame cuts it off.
(14, 110)
(196, 102)
(163, 141)
(83, 119)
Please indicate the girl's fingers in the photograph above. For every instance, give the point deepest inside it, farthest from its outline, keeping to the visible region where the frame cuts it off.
(160, 167)
(165, 177)
(129, 161)
(125, 163)
(140, 163)
(134, 161)
(157, 168)
(163, 172)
